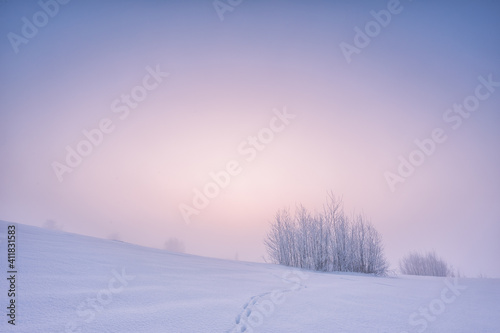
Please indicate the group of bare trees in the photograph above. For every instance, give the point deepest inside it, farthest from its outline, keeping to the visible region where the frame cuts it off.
(326, 241)
(425, 264)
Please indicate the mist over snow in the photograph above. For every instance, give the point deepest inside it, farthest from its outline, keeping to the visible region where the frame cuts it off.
(74, 283)
(185, 127)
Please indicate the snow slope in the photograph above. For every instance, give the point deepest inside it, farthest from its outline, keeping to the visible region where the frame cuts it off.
(73, 283)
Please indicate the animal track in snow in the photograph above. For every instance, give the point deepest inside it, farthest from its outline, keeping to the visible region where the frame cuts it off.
(264, 305)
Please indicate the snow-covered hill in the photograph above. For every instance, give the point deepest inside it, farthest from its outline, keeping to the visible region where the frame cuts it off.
(73, 283)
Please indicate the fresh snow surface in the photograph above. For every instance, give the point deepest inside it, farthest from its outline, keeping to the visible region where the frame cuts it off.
(73, 283)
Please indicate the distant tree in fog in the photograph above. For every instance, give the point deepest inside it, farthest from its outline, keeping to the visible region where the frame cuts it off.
(115, 236)
(428, 264)
(174, 245)
(52, 225)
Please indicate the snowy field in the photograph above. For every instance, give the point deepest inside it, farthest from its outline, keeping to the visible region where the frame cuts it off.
(73, 283)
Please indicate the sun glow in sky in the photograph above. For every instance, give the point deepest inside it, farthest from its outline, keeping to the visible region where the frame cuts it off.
(170, 93)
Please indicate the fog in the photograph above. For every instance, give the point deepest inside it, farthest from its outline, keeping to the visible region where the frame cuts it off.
(115, 115)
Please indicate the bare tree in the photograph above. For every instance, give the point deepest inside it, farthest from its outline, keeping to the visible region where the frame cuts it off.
(52, 225)
(174, 245)
(425, 264)
(327, 241)
(375, 259)
(115, 236)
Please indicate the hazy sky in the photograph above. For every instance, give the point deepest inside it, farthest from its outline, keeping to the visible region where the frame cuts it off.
(176, 93)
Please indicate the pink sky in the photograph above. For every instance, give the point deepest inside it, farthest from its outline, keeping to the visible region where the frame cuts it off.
(226, 79)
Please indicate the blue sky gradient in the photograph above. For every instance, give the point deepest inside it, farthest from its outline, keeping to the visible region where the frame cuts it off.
(225, 78)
